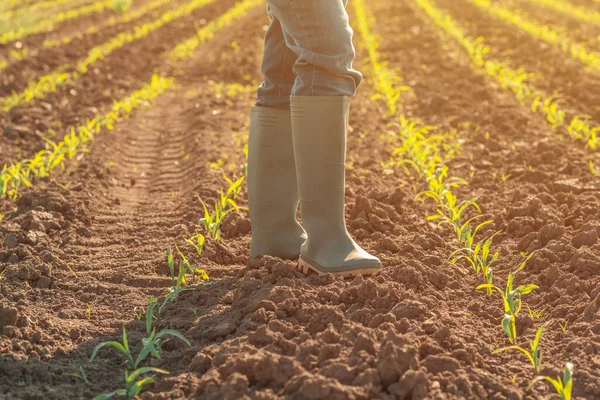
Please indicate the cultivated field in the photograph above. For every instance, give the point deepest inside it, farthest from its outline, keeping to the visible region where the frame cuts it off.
(473, 172)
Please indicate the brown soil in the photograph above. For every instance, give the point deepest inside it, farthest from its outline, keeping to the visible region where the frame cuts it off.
(262, 330)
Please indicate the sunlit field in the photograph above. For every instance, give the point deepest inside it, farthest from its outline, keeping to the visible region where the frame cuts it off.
(473, 173)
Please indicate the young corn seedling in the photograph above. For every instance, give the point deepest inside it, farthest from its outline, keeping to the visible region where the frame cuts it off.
(81, 375)
(133, 387)
(535, 355)
(563, 326)
(480, 259)
(151, 345)
(512, 300)
(536, 314)
(563, 386)
(197, 241)
(189, 269)
(223, 206)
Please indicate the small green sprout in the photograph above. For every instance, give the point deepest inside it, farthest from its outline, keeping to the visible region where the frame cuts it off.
(563, 325)
(81, 375)
(563, 386)
(536, 314)
(512, 300)
(535, 355)
(133, 387)
(151, 346)
(223, 206)
(197, 241)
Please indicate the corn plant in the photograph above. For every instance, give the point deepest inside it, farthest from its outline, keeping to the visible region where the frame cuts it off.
(224, 205)
(81, 375)
(563, 326)
(536, 314)
(151, 345)
(512, 300)
(563, 386)
(197, 241)
(133, 387)
(534, 355)
(480, 257)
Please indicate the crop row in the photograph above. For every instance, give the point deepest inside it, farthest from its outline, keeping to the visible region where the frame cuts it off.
(31, 9)
(223, 205)
(546, 33)
(19, 174)
(152, 345)
(49, 24)
(113, 20)
(17, 56)
(16, 175)
(428, 152)
(51, 81)
(579, 127)
(568, 8)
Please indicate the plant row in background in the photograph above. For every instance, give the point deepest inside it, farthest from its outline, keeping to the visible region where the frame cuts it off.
(544, 32)
(50, 82)
(427, 152)
(568, 8)
(19, 174)
(579, 127)
(186, 48)
(48, 24)
(17, 56)
(32, 8)
(112, 21)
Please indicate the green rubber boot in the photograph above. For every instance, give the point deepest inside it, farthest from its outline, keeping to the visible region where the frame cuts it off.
(319, 127)
(272, 185)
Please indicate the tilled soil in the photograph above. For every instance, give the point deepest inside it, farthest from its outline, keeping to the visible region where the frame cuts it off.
(81, 262)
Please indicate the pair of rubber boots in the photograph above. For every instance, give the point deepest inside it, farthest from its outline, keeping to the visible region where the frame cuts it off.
(299, 155)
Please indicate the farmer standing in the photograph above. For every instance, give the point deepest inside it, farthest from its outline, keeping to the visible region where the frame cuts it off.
(297, 144)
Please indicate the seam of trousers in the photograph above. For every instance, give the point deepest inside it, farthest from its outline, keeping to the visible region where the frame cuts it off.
(312, 85)
(282, 66)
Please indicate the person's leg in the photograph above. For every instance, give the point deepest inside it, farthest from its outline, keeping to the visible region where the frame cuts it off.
(272, 184)
(320, 36)
(319, 33)
(277, 69)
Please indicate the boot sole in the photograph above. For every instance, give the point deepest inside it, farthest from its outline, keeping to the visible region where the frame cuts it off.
(307, 268)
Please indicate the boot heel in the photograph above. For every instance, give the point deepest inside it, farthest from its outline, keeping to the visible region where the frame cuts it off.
(308, 268)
